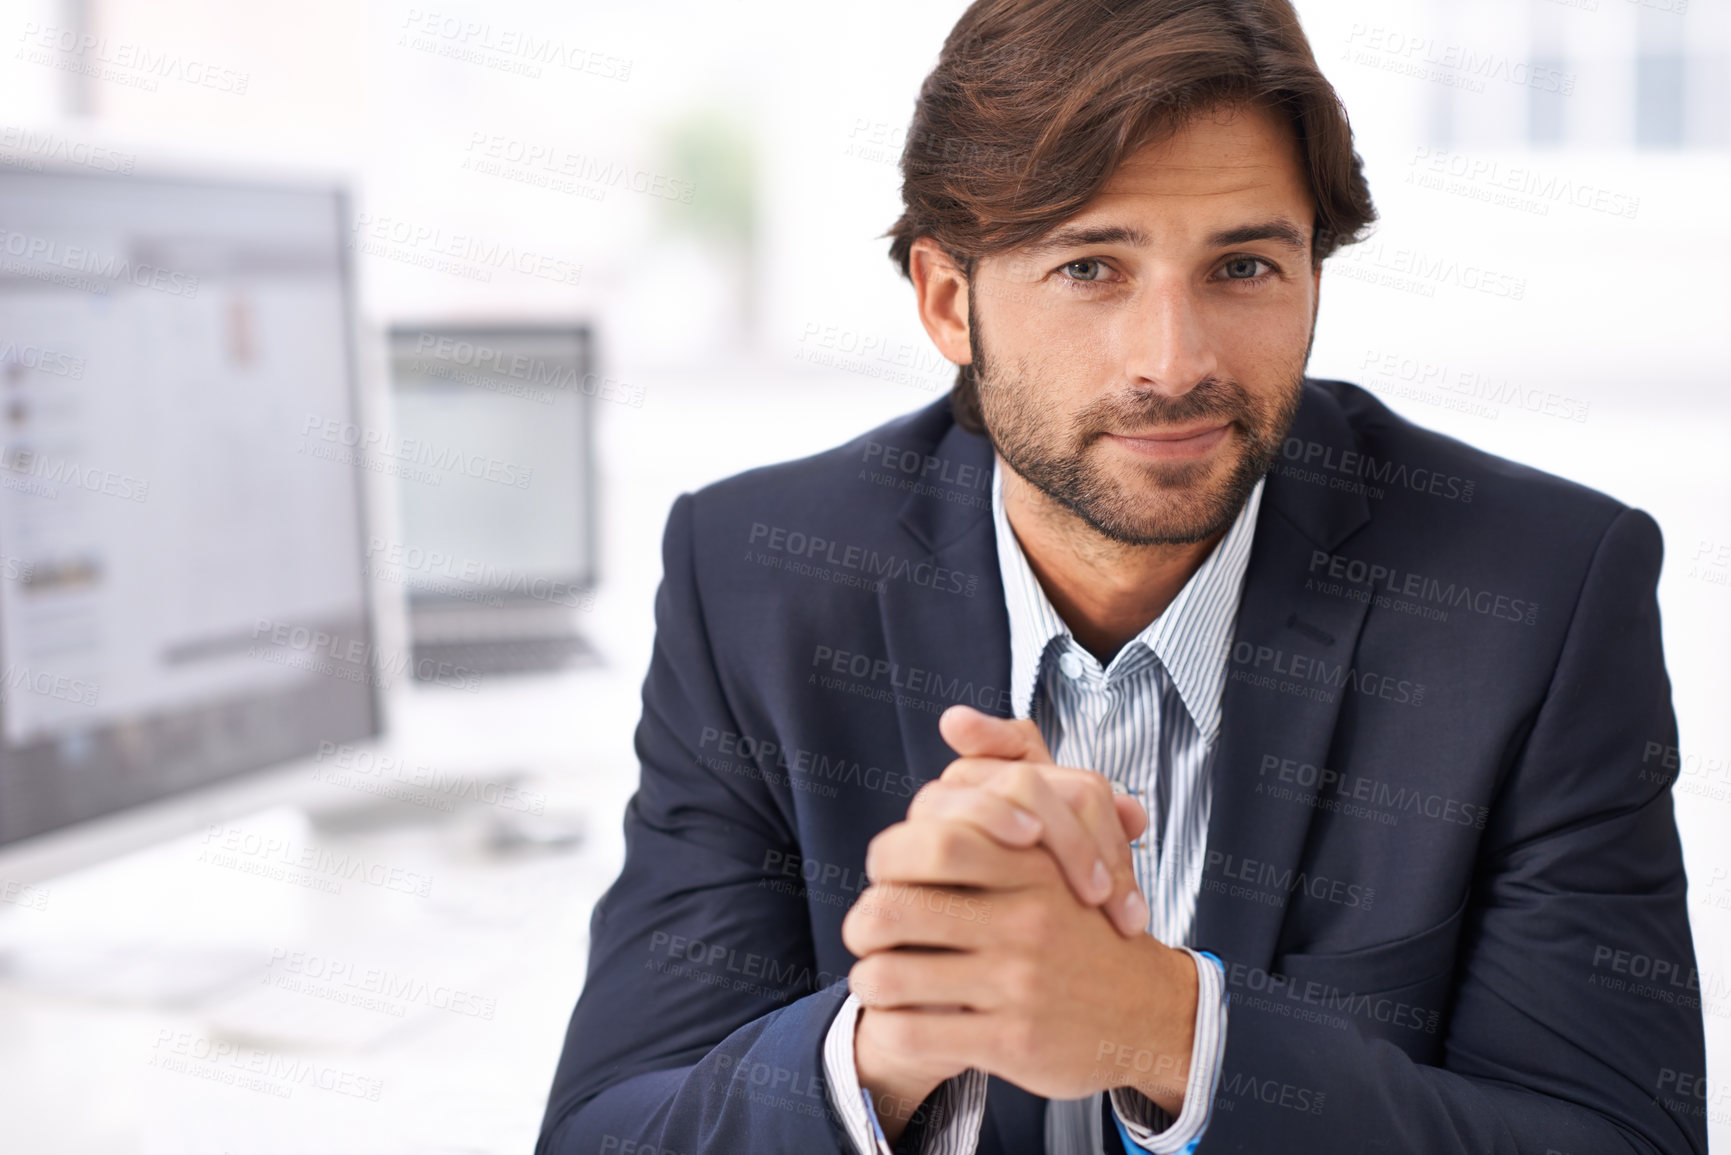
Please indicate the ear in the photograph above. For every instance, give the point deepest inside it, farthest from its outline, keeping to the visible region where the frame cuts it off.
(941, 289)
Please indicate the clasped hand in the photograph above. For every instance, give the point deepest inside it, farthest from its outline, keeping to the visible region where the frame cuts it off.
(1003, 930)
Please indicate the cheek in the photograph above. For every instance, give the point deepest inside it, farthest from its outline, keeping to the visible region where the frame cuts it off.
(1252, 343)
(1073, 345)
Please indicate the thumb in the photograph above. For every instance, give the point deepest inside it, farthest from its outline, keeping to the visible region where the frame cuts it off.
(973, 734)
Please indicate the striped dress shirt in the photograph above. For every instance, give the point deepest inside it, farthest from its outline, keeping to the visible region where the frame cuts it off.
(1149, 720)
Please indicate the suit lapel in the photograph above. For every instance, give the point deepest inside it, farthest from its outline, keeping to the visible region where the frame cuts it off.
(948, 647)
(1280, 625)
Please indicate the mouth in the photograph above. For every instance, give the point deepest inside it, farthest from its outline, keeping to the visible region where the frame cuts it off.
(1173, 444)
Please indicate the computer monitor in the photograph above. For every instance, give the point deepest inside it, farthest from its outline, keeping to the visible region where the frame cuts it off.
(182, 576)
(493, 426)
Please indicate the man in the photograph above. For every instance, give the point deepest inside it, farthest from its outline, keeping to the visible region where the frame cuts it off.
(1350, 716)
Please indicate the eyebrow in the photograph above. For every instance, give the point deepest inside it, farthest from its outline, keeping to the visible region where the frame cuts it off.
(1086, 236)
(1279, 230)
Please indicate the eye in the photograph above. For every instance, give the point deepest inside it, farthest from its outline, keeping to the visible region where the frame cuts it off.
(1246, 268)
(1091, 269)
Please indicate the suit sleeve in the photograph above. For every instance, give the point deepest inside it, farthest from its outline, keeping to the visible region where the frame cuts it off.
(701, 1022)
(1544, 1050)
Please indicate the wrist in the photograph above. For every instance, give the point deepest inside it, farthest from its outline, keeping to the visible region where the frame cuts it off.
(898, 1086)
(1170, 1028)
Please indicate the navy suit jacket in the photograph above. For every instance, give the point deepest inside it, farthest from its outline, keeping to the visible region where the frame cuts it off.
(1441, 824)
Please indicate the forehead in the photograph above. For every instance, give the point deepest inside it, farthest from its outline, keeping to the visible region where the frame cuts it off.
(1220, 160)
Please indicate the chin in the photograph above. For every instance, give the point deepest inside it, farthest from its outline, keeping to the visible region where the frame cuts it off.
(1169, 504)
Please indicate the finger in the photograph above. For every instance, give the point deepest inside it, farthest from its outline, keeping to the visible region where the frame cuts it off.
(1081, 854)
(997, 816)
(973, 734)
(1132, 816)
(943, 852)
(900, 979)
(892, 916)
(1086, 818)
(1096, 804)
(962, 1038)
(1012, 826)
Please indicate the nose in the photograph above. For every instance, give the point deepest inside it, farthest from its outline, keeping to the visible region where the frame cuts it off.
(1168, 346)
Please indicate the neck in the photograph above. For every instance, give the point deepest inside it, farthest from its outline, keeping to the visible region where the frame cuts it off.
(1106, 592)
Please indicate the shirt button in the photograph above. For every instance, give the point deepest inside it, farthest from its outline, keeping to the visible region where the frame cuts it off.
(1071, 665)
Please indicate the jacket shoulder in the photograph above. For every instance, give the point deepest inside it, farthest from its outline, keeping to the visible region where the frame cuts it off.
(857, 485)
(1497, 487)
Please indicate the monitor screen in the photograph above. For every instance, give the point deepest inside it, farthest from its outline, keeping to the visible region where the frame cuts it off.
(492, 433)
(182, 593)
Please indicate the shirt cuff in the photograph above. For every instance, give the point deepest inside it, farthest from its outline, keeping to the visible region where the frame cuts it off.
(1143, 1123)
(955, 1110)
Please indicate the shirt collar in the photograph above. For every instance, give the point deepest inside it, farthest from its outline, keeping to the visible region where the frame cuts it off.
(1190, 637)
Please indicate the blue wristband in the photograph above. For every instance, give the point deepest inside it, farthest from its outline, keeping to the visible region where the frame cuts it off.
(1131, 1146)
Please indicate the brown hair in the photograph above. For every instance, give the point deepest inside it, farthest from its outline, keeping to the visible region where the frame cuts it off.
(1034, 103)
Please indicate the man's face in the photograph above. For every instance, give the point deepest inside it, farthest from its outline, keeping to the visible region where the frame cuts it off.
(1142, 363)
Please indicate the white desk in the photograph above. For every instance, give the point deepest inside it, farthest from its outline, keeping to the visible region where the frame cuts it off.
(375, 1019)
